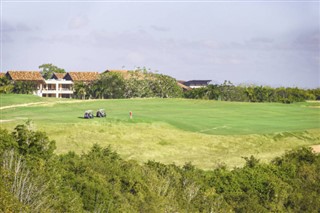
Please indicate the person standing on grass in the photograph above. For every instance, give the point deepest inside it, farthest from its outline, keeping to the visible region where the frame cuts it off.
(130, 114)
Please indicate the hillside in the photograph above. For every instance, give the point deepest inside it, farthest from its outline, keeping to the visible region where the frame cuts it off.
(205, 133)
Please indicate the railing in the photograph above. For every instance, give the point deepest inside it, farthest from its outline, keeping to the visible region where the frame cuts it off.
(60, 89)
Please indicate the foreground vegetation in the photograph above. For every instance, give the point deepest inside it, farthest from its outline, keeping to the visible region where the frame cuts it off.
(34, 179)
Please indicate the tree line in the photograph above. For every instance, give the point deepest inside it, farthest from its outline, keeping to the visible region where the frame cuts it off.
(35, 179)
(253, 93)
(135, 84)
(142, 83)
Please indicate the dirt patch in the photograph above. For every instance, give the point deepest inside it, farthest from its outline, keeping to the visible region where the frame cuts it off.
(44, 103)
(3, 121)
(316, 148)
(317, 107)
(21, 105)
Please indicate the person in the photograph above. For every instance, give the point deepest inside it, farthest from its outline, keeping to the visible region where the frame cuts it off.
(130, 114)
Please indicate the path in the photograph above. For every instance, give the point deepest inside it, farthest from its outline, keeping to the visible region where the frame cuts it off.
(42, 103)
(22, 105)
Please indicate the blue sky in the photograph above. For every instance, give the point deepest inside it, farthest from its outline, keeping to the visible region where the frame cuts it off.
(270, 43)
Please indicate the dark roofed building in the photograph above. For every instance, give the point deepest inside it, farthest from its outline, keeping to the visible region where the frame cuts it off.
(184, 87)
(81, 76)
(197, 83)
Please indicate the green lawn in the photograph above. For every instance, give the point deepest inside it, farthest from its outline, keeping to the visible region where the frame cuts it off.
(174, 130)
(12, 99)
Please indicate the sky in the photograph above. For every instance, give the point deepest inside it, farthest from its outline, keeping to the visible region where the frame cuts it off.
(274, 43)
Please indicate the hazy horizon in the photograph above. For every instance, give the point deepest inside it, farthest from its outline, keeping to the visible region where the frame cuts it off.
(246, 42)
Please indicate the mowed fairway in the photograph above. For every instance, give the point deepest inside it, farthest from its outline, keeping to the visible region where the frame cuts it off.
(205, 133)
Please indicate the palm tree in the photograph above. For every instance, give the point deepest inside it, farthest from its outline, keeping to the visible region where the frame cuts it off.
(80, 90)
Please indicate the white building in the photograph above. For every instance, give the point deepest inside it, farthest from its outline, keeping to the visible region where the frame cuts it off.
(60, 88)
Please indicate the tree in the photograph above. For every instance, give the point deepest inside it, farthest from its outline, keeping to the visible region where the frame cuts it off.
(6, 86)
(110, 85)
(33, 143)
(165, 86)
(48, 70)
(24, 87)
(80, 90)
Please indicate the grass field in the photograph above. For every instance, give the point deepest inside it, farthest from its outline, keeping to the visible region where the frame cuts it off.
(173, 130)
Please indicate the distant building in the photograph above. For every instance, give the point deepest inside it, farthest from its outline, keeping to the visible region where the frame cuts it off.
(85, 77)
(59, 88)
(196, 83)
(30, 76)
(184, 87)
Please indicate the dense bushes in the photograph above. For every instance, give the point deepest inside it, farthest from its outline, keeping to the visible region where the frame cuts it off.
(33, 179)
(18, 87)
(132, 84)
(229, 92)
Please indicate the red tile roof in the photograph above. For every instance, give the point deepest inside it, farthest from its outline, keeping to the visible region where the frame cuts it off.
(25, 75)
(82, 76)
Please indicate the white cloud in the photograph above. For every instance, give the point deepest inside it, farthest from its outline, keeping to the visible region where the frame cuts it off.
(78, 22)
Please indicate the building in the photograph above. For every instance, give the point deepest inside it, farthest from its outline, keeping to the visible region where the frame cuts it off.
(85, 77)
(30, 76)
(184, 87)
(196, 83)
(59, 88)
(58, 76)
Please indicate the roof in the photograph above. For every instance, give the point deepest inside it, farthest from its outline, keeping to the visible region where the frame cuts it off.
(2, 74)
(183, 86)
(25, 75)
(197, 82)
(58, 75)
(126, 74)
(82, 76)
(119, 71)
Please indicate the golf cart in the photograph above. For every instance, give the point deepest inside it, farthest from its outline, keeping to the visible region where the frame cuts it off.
(88, 114)
(101, 113)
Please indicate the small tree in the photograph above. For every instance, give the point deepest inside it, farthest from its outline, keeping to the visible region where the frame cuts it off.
(33, 143)
(48, 70)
